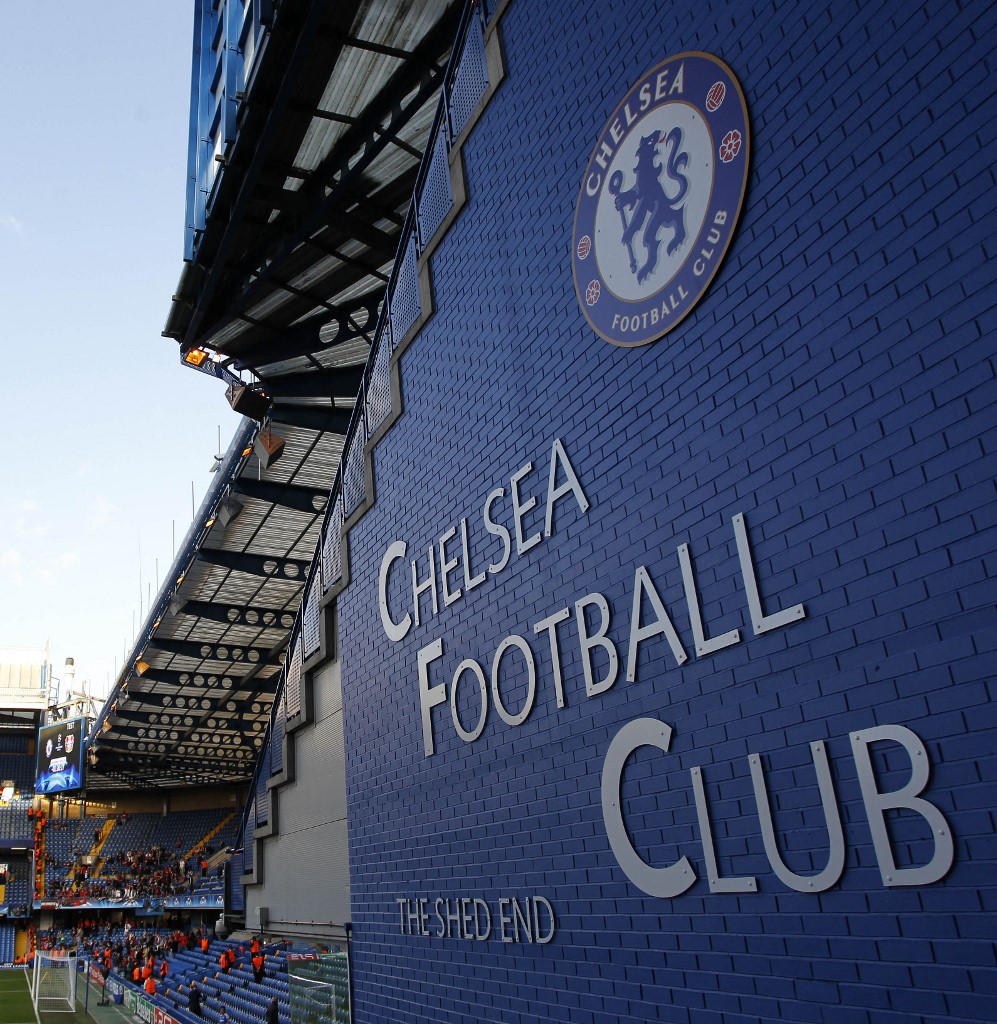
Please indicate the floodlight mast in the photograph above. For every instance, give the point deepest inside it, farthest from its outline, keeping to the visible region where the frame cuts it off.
(77, 703)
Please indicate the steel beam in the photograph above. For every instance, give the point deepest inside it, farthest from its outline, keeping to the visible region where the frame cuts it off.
(173, 678)
(305, 337)
(234, 615)
(301, 499)
(236, 653)
(338, 382)
(326, 420)
(290, 570)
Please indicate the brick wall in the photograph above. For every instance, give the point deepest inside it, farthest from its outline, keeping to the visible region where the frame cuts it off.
(835, 387)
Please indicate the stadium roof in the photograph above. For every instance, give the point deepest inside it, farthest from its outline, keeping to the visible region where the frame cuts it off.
(294, 218)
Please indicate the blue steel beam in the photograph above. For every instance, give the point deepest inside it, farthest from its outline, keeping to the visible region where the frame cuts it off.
(292, 570)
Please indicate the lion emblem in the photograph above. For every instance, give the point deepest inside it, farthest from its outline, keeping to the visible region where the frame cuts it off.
(652, 208)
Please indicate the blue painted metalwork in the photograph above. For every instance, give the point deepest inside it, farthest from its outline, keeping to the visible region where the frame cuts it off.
(332, 542)
(311, 618)
(396, 316)
(467, 81)
(229, 35)
(435, 198)
(214, 369)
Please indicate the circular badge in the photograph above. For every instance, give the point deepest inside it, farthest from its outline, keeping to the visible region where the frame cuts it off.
(660, 198)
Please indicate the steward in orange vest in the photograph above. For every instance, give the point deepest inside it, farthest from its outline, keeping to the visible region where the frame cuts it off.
(258, 964)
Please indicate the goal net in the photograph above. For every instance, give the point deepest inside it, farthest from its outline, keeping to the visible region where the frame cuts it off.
(53, 981)
(318, 990)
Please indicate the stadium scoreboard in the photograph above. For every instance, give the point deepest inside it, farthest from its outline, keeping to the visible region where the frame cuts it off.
(60, 757)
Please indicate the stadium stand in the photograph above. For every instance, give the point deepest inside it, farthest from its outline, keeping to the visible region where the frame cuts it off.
(243, 998)
(14, 820)
(67, 842)
(7, 938)
(178, 833)
(19, 768)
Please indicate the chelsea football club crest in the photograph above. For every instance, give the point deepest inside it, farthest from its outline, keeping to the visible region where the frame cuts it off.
(660, 199)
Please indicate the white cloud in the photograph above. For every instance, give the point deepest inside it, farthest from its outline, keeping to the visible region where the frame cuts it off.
(54, 569)
(8, 222)
(12, 565)
(10, 559)
(99, 513)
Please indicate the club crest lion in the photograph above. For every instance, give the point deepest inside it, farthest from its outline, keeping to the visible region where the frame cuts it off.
(652, 208)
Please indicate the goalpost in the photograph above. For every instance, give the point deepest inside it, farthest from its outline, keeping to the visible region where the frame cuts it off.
(53, 981)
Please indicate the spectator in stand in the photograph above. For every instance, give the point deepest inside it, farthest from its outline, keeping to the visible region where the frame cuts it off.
(194, 999)
(272, 1011)
(105, 970)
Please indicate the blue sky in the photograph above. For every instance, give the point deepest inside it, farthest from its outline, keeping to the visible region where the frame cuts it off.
(103, 430)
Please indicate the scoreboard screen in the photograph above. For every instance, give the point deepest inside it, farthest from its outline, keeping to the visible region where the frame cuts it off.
(60, 757)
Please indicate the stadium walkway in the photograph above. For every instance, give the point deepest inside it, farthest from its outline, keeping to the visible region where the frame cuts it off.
(113, 1013)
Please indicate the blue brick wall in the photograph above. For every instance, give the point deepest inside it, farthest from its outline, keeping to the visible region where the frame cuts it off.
(836, 386)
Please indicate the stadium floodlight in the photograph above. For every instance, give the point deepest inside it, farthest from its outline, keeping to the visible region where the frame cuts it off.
(228, 510)
(248, 400)
(53, 981)
(269, 447)
(195, 357)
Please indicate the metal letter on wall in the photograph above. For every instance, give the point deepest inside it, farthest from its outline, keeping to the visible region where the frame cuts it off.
(907, 797)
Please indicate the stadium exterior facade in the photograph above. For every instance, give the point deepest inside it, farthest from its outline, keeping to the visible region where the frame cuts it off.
(645, 667)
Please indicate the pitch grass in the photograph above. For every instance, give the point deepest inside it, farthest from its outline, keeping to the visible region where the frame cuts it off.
(16, 1006)
(15, 998)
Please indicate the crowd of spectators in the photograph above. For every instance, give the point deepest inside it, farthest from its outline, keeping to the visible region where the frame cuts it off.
(128, 874)
(128, 949)
(153, 960)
